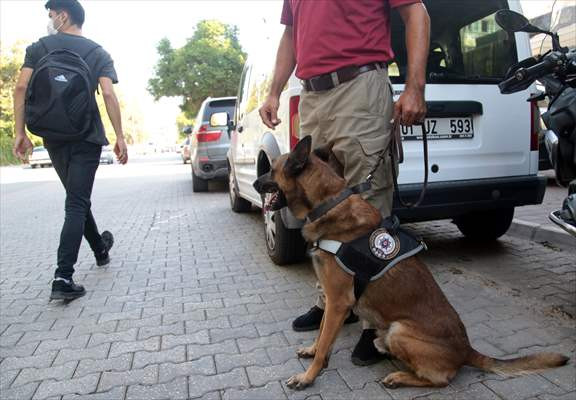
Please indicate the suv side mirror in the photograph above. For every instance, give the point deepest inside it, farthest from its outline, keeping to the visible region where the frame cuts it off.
(187, 130)
(219, 119)
(231, 127)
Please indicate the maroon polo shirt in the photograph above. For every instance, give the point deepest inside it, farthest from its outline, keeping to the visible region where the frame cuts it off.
(331, 34)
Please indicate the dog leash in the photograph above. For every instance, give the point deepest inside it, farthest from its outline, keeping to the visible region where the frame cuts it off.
(396, 153)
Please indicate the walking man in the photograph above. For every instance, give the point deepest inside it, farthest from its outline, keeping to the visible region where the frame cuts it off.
(75, 161)
(340, 50)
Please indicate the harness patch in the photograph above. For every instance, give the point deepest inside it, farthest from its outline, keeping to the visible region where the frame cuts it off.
(372, 255)
(384, 245)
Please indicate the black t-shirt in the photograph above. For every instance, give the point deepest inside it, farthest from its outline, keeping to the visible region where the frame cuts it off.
(99, 61)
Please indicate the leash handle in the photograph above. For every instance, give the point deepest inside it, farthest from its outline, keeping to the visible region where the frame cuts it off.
(396, 153)
(393, 155)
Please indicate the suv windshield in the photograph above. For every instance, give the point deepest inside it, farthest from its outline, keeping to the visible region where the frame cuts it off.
(466, 44)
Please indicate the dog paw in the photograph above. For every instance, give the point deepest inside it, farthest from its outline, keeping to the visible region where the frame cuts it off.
(298, 382)
(390, 381)
(306, 352)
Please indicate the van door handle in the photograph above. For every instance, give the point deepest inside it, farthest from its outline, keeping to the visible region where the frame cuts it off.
(240, 129)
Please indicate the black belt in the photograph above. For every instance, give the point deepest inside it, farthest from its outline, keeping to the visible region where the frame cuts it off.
(333, 79)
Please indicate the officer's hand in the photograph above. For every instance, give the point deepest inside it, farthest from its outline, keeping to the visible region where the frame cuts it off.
(410, 107)
(269, 112)
(22, 147)
(121, 150)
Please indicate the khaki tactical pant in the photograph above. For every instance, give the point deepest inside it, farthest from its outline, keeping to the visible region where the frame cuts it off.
(355, 117)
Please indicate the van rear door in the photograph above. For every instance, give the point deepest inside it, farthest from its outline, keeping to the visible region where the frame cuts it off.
(474, 132)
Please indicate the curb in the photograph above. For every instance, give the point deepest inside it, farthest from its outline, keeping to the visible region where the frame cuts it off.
(542, 233)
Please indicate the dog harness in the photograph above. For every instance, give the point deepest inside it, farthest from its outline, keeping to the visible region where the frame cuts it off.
(371, 256)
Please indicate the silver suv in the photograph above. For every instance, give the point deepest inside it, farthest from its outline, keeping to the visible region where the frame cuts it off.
(209, 141)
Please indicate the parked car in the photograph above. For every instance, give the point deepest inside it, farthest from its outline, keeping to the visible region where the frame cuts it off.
(185, 150)
(209, 141)
(107, 155)
(40, 157)
(483, 146)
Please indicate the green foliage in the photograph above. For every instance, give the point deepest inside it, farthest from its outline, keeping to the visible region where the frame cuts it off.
(6, 156)
(131, 121)
(209, 64)
(10, 62)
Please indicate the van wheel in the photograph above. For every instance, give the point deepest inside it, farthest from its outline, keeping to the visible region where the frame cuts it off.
(285, 246)
(237, 203)
(198, 184)
(485, 225)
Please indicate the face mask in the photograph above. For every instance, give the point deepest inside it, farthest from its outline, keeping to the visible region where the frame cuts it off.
(52, 30)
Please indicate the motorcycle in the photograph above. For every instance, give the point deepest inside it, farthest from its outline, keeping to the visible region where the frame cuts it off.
(556, 71)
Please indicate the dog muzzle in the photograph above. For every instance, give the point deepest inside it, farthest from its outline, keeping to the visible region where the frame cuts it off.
(275, 201)
(274, 198)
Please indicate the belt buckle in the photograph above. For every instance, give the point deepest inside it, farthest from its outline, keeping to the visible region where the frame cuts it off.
(312, 84)
(308, 84)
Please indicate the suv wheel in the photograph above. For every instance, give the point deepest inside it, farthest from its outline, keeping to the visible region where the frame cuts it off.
(285, 246)
(198, 184)
(237, 203)
(485, 225)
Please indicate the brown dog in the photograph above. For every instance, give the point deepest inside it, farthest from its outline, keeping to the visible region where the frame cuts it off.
(416, 323)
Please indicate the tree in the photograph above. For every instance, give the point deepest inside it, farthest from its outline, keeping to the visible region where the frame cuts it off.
(131, 121)
(10, 62)
(209, 64)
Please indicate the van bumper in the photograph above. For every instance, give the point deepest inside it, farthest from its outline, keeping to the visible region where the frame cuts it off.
(450, 199)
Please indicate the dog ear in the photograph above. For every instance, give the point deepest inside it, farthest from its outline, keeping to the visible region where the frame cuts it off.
(298, 157)
(324, 152)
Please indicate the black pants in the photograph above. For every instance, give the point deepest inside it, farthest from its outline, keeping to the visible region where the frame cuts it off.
(76, 164)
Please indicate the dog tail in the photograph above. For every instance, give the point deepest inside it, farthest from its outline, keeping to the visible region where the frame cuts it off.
(516, 366)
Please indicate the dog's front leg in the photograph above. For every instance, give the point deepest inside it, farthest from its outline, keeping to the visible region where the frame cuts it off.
(334, 316)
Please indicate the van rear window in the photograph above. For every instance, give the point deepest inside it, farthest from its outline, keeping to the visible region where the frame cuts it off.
(466, 44)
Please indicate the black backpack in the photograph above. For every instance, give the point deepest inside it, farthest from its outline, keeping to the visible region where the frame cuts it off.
(60, 102)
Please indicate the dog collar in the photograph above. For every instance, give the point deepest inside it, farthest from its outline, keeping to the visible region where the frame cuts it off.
(330, 204)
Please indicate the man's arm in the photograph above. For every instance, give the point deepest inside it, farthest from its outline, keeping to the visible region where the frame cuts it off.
(411, 106)
(113, 110)
(285, 64)
(22, 144)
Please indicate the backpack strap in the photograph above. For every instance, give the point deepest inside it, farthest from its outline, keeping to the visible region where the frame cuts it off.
(50, 44)
(43, 43)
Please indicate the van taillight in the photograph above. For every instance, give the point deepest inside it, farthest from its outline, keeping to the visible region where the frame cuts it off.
(534, 125)
(204, 135)
(294, 121)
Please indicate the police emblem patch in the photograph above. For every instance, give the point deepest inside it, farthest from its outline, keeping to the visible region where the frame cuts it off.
(384, 245)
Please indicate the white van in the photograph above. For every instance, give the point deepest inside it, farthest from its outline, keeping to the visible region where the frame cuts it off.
(483, 146)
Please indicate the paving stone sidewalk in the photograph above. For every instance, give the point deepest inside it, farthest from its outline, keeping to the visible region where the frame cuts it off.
(191, 307)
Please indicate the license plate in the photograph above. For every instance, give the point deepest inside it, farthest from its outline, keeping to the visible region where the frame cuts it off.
(440, 128)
